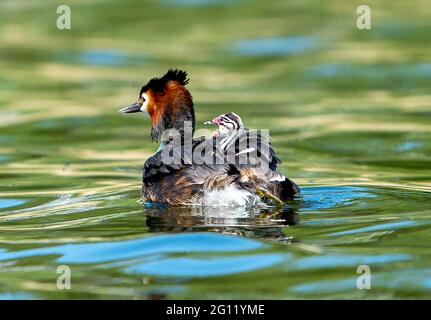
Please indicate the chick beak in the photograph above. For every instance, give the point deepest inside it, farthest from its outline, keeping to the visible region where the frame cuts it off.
(213, 121)
(134, 107)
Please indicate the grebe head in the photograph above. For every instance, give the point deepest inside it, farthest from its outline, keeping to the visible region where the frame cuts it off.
(167, 101)
(230, 127)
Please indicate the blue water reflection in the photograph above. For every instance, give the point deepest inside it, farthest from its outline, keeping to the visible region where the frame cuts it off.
(411, 279)
(101, 57)
(332, 261)
(161, 244)
(204, 267)
(325, 286)
(7, 203)
(274, 46)
(325, 197)
(16, 296)
(379, 227)
(408, 146)
(376, 71)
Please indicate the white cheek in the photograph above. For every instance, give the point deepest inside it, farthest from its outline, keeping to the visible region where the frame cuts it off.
(223, 130)
(145, 104)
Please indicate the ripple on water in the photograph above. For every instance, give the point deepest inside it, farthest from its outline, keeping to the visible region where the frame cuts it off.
(163, 244)
(108, 57)
(208, 266)
(274, 46)
(408, 146)
(8, 203)
(371, 71)
(103, 57)
(338, 260)
(151, 255)
(326, 286)
(325, 197)
(408, 279)
(16, 296)
(378, 227)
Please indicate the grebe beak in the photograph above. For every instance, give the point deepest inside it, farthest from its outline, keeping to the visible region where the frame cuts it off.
(134, 107)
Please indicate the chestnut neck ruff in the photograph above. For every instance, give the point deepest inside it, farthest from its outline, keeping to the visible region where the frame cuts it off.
(178, 114)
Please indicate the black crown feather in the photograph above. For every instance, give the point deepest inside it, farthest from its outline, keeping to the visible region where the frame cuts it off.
(158, 83)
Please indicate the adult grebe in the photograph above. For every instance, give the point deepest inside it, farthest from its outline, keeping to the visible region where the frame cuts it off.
(235, 167)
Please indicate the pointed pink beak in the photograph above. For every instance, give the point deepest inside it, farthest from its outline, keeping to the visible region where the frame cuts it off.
(216, 121)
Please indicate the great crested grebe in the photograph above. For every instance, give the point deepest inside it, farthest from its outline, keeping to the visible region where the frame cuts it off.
(225, 170)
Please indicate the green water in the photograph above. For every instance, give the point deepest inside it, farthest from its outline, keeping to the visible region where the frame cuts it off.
(349, 113)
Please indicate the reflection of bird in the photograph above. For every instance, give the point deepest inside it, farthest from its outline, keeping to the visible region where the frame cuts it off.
(195, 180)
(251, 221)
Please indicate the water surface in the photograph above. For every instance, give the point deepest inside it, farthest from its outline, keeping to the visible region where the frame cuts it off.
(348, 112)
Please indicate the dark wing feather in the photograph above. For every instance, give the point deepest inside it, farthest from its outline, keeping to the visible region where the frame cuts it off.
(264, 151)
(154, 165)
(177, 183)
